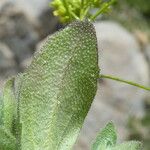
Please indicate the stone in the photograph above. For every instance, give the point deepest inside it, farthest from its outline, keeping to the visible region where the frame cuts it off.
(23, 24)
(6, 56)
(17, 32)
(7, 64)
(40, 14)
(32, 8)
(119, 55)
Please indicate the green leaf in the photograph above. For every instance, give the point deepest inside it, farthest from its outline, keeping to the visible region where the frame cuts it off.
(9, 104)
(58, 88)
(106, 138)
(1, 109)
(131, 145)
(7, 140)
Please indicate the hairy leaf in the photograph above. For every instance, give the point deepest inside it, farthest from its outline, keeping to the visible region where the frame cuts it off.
(132, 145)
(1, 109)
(106, 138)
(7, 140)
(58, 88)
(9, 104)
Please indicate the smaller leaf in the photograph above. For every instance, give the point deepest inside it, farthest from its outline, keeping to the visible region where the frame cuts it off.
(106, 138)
(131, 145)
(7, 140)
(1, 109)
(9, 104)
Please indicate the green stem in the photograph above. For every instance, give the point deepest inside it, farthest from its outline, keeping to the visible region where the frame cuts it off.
(124, 81)
(74, 15)
(84, 13)
(66, 6)
(84, 9)
(101, 10)
(81, 8)
(70, 13)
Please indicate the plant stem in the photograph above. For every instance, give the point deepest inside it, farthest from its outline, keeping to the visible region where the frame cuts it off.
(81, 7)
(84, 13)
(98, 13)
(101, 10)
(124, 81)
(66, 6)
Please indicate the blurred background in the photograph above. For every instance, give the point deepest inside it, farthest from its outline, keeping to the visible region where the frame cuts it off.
(124, 50)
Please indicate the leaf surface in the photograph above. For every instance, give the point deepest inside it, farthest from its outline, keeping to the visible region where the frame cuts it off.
(58, 88)
(106, 138)
(7, 140)
(1, 109)
(131, 145)
(9, 106)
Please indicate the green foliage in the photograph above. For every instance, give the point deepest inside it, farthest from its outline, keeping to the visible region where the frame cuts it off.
(1, 109)
(44, 108)
(58, 88)
(9, 104)
(106, 140)
(55, 93)
(7, 114)
(132, 145)
(7, 140)
(69, 10)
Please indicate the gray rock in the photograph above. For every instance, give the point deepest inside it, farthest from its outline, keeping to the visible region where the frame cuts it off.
(23, 23)
(17, 32)
(6, 57)
(32, 8)
(7, 63)
(40, 14)
(119, 55)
